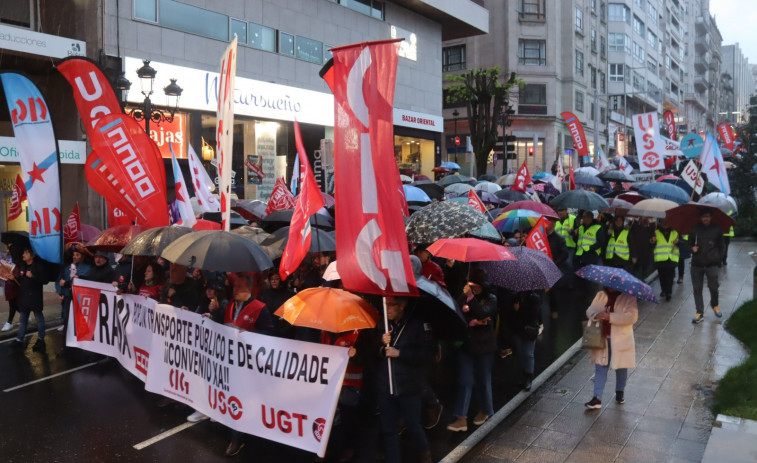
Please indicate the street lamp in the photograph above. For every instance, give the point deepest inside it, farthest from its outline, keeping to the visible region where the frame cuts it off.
(455, 113)
(146, 110)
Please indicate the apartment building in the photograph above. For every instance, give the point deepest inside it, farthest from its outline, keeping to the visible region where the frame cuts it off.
(559, 50)
(737, 85)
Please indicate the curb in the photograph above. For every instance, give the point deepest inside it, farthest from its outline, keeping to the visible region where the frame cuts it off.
(479, 434)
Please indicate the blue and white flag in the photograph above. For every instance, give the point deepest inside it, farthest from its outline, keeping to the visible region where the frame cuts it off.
(38, 153)
(182, 196)
(295, 176)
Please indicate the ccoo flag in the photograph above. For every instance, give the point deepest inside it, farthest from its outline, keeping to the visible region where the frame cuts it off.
(38, 153)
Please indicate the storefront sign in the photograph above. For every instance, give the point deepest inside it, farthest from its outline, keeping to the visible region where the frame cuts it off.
(69, 151)
(173, 132)
(36, 43)
(416, 120)
(264, 160)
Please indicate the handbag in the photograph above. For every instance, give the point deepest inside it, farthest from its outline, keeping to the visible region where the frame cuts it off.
(593, 338)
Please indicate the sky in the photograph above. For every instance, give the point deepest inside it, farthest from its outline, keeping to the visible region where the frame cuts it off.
(736, 20)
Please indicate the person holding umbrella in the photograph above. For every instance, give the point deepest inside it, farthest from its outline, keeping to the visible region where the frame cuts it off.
(707, 249)
(666, 256)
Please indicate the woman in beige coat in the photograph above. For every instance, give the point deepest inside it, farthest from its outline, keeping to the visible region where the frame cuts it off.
(617, 312)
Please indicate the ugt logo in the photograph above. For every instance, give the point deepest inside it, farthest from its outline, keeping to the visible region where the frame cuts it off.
(22, 110)
(176, 381)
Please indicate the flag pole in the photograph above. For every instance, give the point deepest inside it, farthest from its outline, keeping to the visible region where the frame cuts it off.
(388, 360)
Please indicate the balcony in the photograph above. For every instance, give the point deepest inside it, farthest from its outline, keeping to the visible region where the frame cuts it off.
(703, 43)
(702, 24)
(702, 62)
(700, 83)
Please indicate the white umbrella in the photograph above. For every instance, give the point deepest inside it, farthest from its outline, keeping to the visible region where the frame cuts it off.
(330, 274)
(406, 179)
(486, 187)
(586, 170)
(506, 180)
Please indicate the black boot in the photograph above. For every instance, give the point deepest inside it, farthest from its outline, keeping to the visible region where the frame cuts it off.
(527, 382)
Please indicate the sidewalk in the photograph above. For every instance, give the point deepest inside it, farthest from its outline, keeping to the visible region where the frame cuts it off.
(51, 310)
(666, 417)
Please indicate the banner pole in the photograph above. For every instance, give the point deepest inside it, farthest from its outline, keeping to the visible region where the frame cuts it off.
(388, 360)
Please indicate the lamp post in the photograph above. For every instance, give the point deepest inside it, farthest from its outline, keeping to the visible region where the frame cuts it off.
(146, 110)
(455, 113)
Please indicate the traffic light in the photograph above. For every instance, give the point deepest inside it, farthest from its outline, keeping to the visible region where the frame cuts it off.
(457, 141)
(530, 150)
(510, 142)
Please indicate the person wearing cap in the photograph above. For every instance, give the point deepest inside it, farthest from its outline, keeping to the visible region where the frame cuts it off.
(476, 355)
(102, 271)
(707, 249)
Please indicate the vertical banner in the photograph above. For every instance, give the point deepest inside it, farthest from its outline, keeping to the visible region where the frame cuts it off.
(577, 132)
(72, 229)
(372, 250)
(93, 94)
(202, 183)
(670, 122)
(17, 198)
(225, 129)
(726, 134)
(649, 146)
(38, 153)
(188, 218)
(713, 164)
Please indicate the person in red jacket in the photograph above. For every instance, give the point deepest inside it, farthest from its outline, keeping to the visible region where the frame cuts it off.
(430, 269)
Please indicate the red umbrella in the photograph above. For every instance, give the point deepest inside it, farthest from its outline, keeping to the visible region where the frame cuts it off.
(115, 238)
(632, 197)
(683, 217)
(618, 205)
(203, 224)
(535, 206)
(469, 250)
(668, 177)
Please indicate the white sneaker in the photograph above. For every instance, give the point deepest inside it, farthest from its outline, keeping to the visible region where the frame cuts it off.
(197, 416)
(60, 328)
(7, 327)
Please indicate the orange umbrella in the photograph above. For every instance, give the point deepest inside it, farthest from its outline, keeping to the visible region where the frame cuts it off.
(328, 309)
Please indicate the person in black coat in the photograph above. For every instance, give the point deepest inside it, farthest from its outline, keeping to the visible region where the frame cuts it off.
(407, 345)
(30, 298)
(102, 271)
(525, 321)
(274, 296)
(476, 356)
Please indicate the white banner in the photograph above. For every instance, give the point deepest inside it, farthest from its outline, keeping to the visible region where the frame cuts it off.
(274, 388)
(690, 174)
(649, 146)
(225, 129)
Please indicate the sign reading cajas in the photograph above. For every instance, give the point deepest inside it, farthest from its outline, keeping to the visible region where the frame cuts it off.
(69, 151)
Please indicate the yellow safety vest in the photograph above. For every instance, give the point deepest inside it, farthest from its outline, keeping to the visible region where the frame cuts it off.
(563, 229)
(730, 232)
(665, 249)
(586, 239)
(618, 246)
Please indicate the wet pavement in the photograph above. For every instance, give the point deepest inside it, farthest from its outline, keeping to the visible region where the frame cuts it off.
(666, 416)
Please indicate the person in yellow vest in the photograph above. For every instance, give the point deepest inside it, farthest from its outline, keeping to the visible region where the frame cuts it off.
(565, 226)
(666, 256)
(727, 239)
(618, 252)
(590, 242)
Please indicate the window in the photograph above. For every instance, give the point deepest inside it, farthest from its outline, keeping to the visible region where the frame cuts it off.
(183, 17)
(579, 101)
(579, 20)
(372, 8)
(602, 82)
(602, 115)
(532, 52)
(533, 94)
(652, 65)
(620, 13)
(532, 9)
(652, 13)
(286, 43)
(638, 81)
(602, 47)
(639, 3)
(591, 111)
(579, 62)
(453, 58)
(620, 42)
(593, 76)
(652, 39)
(593, 40)
(638, 25)
(638, 52)
(602, 11)
(594, 6)
(309, 50)
(238, 28)
(262, 37)
(616, 73)
(143, 9)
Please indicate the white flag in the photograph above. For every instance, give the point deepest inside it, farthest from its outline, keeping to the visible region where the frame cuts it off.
(713, 165)
(203, 185)
(225, 128)
(469, 152)
(602, 163)
(624, 165)
(690, 174)
(182, 196)
(295, 176)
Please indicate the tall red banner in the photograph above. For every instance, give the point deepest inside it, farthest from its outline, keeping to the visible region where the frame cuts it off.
(72, 229)
(372, 250)
(93, 93)
(577, 132)
(522, 179)
(126, 168)
(86, 305)
(726, 134)
(670, 122)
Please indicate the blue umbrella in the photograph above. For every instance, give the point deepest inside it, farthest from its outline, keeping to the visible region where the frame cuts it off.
(665, 191)
(619, 279)
(450, 165)
(679, 183)
(590, 180)
(414, 194)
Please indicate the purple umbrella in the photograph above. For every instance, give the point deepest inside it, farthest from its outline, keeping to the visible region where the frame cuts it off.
(533, 270)
(619, 279)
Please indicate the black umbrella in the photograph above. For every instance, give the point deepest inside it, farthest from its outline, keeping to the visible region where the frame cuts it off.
(436, 305)
(616, 176)
(579, 199)
(511, 196)
(590, 180)
(320, 240)
(488, 177)
(153, 241)
(217, 250)
(280, 219)
(447, 219)
(433, 190)
(17, 241)
(454, 178)
(235, 220)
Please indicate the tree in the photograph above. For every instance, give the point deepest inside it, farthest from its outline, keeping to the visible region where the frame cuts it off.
(484, 94)
(743, 177)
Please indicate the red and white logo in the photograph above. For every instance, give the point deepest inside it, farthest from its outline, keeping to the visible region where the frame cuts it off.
(319, 425)
(141, 360)
(177, 381)
(230, 405)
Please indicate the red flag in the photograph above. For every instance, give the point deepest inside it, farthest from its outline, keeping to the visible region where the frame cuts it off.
(476, 202)
(726, 134)
(281, 198)
(372, 250)
(93, 93)
(571, 176)
(126, 168)
(72, 229)
(537, 237)
(308, 203)
(86, 302)
(670, 122)
(117, 217)
(522, 179)
(19, 195)
(577, 132)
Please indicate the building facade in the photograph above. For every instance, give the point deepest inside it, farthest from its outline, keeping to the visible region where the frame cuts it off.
(737, 85)
(704, 58)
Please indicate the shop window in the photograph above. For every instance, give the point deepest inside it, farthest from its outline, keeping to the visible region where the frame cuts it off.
(238, 28)
(262, 37)
(195, 20)
(17, 13)
(453, 58)
(286, 43)
(309, 50)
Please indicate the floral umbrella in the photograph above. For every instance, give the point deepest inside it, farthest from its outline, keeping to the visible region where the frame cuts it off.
(619, 279)
(447, 219)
